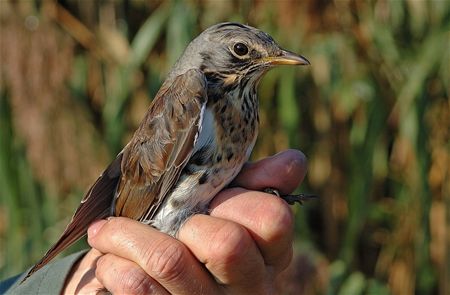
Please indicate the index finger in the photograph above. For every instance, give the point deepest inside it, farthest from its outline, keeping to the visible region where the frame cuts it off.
(283, 171)
(162, 257)
(268, 219)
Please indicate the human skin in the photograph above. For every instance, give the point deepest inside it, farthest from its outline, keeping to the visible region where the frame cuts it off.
(239, 248)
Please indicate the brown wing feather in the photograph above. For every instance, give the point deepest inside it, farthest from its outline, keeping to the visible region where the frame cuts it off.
(95, 205)
(161, 146)
(149, 165)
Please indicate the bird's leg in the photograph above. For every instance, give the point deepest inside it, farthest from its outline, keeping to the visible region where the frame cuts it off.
(290, 199)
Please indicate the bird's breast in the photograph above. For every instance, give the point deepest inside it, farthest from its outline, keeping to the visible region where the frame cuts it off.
(223, 145)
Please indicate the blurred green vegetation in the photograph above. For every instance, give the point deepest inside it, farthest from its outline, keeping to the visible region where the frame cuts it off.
(371, 113)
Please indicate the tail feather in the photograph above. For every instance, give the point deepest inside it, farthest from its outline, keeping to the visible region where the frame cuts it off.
(95, 205)
(69, 237)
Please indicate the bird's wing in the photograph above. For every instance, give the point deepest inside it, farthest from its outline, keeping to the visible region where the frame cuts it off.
(148, 166)
(161, 147)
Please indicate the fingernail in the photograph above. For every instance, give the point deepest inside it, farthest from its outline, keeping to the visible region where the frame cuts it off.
(95, 227)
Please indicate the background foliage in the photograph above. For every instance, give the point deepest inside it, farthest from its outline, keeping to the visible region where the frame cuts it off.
(371, 113)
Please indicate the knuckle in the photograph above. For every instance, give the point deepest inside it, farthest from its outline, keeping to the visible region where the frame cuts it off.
(101, 265)
(167, 260)
(278, 220)
(135, 281)
(230, 245)
(126, 279)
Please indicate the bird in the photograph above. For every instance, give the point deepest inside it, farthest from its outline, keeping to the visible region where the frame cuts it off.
(197, 134)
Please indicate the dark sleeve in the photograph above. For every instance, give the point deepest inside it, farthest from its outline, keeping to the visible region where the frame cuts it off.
(48, 280)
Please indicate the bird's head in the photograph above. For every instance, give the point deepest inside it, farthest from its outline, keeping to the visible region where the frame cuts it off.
(229, 53)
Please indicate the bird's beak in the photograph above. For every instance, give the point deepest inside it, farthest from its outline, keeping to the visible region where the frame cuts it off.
(286, 58)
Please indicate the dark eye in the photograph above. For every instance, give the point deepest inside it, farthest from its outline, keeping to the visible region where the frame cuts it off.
(240, 49)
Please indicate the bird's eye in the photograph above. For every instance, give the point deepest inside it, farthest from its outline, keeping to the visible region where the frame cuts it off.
(240, 49)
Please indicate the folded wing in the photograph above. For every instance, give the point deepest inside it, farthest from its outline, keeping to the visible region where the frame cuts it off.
(137, 181)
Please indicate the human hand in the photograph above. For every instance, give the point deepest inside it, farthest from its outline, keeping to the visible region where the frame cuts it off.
(239, 248)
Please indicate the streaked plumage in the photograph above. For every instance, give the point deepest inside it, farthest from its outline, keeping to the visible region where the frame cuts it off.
(198, 132)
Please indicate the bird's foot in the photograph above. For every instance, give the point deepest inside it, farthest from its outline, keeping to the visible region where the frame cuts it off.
(291, 199)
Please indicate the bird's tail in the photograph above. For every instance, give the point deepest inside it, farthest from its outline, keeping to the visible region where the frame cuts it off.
(95, 205)
(70, 236)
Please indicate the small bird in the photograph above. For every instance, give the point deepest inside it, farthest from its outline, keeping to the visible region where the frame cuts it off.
(194, 139)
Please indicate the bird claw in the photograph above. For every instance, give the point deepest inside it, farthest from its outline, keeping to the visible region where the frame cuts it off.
(291, 199)
(300, 198)
(272, 191)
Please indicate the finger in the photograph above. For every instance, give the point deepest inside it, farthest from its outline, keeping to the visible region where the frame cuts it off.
(81, 279)
(268, 219)
(228, 252)
(122, 276)
(283, 171)
(162, 257)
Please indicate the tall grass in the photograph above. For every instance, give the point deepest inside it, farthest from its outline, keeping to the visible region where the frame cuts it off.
(371, 114)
